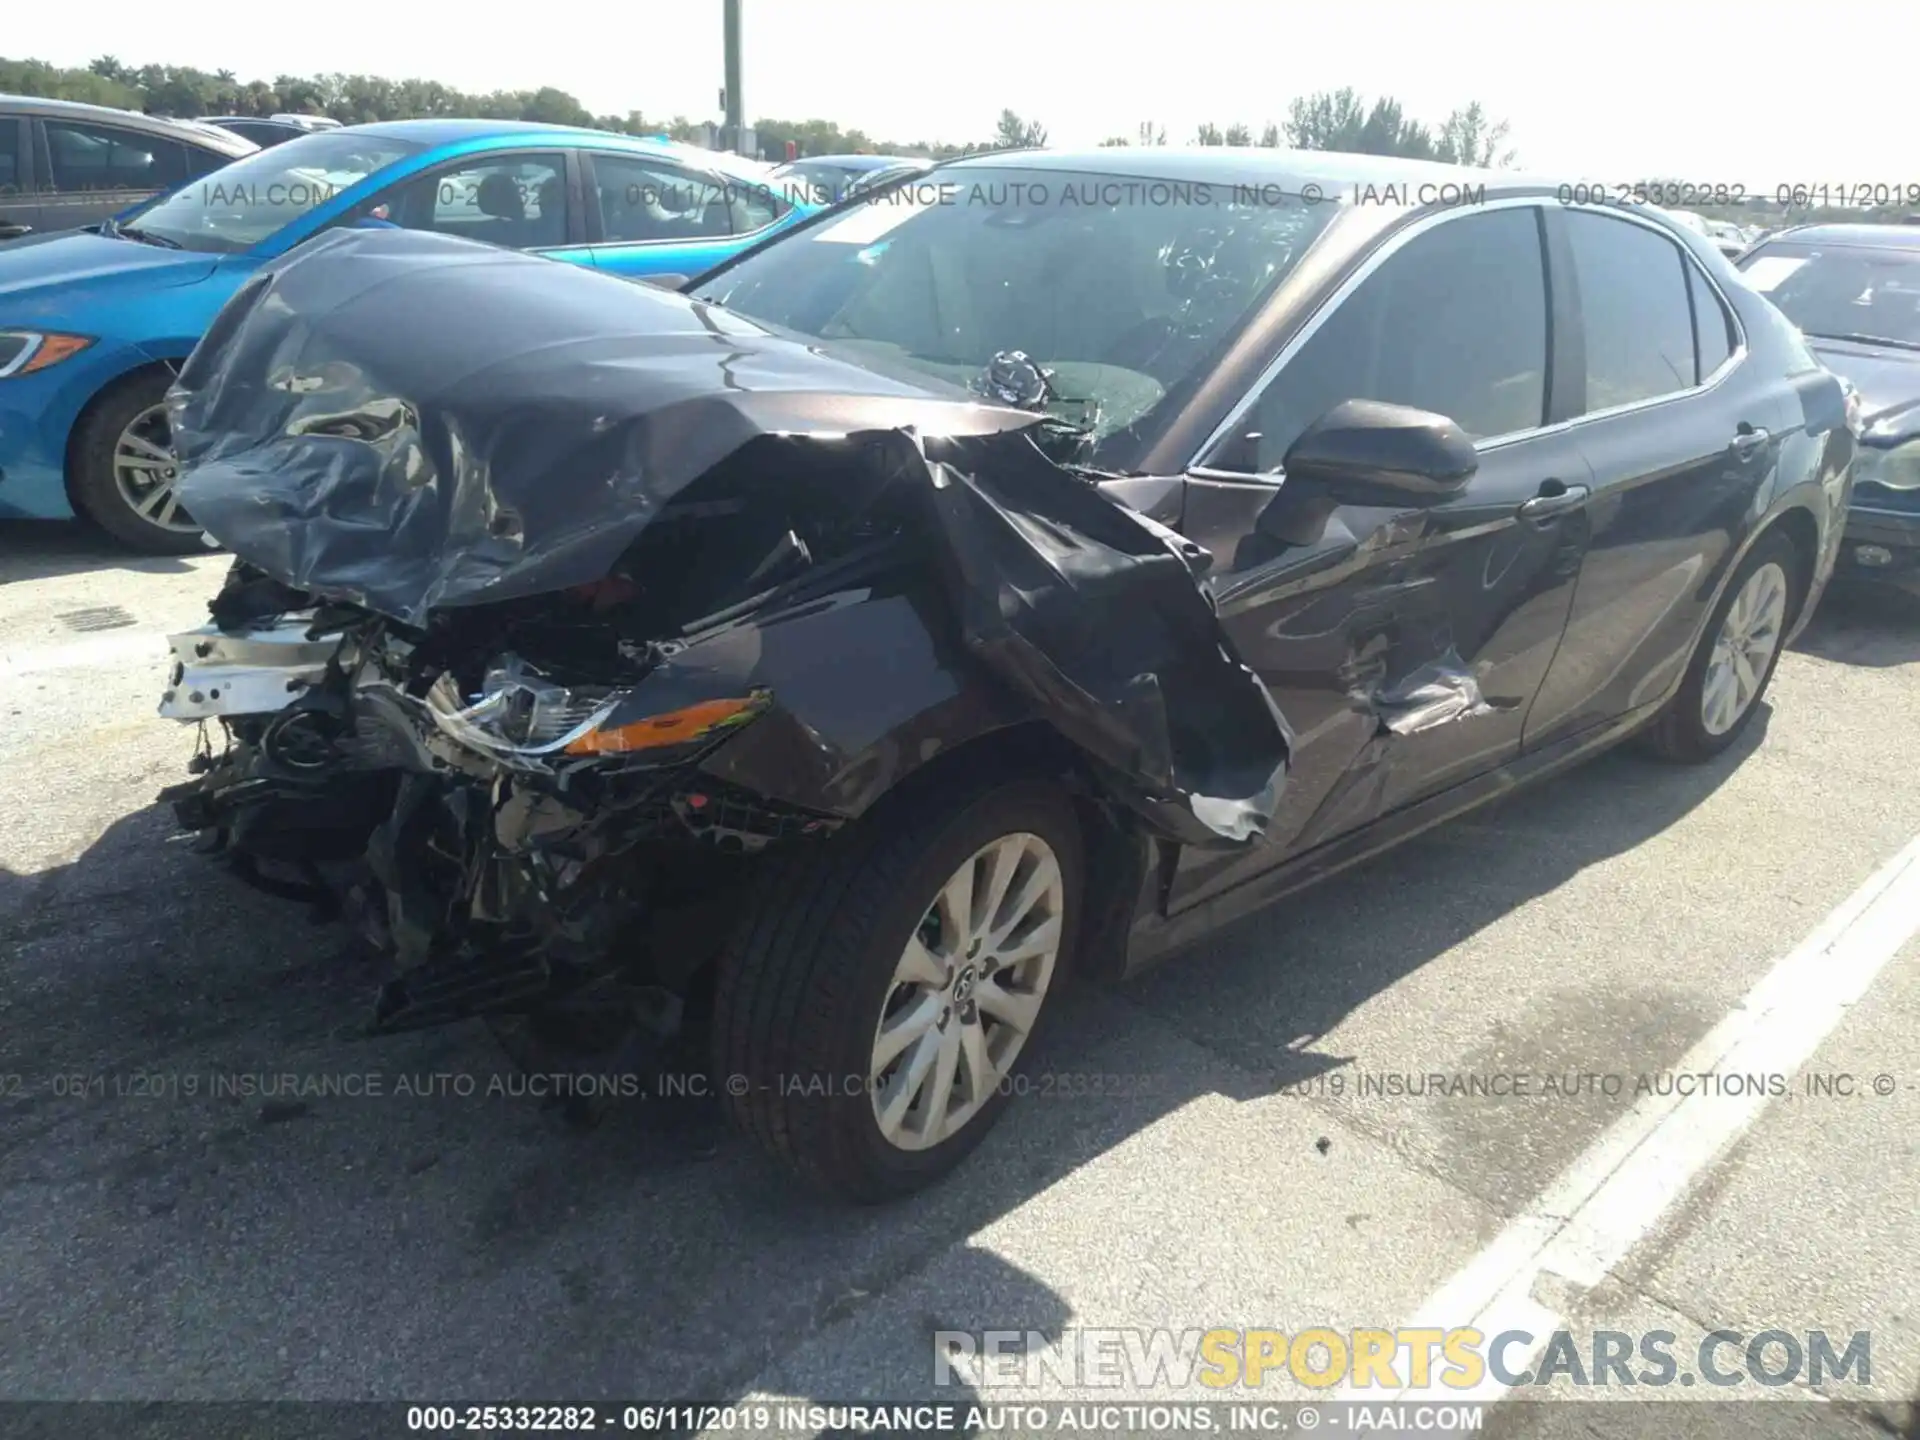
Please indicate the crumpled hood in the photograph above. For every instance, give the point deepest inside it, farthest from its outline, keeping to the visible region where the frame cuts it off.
(1888, 381)
(40, 273)
(410, 421)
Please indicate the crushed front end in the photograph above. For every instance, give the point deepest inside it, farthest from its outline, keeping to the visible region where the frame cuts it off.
(497, 801)
(560, 602)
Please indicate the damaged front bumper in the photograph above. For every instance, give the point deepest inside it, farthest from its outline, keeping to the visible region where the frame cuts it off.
(493, 847)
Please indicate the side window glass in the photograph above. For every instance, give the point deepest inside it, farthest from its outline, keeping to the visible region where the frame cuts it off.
(99, 157)
(643, 199)
(13, 170)
(1634, 307)
(516, 201)
(1454, 322)
(205, 162)
(754, 205)
(1712, 326)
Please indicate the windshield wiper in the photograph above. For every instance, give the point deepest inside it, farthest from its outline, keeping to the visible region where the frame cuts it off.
(146, 237)
(1855, 338)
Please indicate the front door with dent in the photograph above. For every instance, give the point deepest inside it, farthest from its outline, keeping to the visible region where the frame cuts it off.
(1404, 646)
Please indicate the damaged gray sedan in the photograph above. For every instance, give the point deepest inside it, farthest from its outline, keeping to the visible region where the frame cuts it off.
(1014, 574)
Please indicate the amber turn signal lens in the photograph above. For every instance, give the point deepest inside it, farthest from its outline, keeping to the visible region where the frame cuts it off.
(53, 349)
(676, 727)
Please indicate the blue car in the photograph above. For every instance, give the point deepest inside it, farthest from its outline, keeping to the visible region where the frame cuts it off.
(94, 322)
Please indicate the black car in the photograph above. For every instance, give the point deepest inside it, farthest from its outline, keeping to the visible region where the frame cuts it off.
(64, 164)
(1854, 291)
(1014, 581)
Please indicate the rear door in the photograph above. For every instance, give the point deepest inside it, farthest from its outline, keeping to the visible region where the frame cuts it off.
(1682, 436)
(517, 199)
(1467, 599)
(653, 216)
(93, 171)
(19, 205)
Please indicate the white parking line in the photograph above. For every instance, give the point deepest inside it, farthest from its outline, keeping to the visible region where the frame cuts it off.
(105, 653)
(1592, 1215)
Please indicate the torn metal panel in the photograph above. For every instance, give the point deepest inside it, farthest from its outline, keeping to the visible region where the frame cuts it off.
(1441, 692)
(419, 427)
(215, 673)
(409, 421)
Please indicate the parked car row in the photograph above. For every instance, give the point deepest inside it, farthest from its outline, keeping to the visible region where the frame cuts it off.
(936, 601)
(1854, 292)
(94, 321)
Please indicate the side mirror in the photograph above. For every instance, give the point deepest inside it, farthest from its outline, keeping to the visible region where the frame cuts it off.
(1365, 452)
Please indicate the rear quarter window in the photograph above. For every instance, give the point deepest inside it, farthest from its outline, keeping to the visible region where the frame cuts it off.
(1635, 308)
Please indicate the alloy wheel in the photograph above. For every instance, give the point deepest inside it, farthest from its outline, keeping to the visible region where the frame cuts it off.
(1744, 649)
(147, 474)
(967, 991)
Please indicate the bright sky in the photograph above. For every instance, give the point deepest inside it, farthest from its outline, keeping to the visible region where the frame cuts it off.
(1702, 90)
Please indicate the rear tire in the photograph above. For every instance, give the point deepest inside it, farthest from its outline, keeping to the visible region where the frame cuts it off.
(814, 972)
(1731, 669)
(121, 462)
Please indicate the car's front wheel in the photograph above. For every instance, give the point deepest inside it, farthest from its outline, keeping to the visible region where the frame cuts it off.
(875, 1002)
(125, 476)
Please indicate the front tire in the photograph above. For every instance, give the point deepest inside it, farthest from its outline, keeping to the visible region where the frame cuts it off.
(1735, 661)
(877, 999)
(124, 471)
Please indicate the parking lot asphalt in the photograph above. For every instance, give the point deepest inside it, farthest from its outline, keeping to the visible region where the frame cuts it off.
(1227, 1141)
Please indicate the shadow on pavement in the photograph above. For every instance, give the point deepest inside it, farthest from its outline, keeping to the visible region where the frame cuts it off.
(1864, 624)
(45, 549)
(210, 1177)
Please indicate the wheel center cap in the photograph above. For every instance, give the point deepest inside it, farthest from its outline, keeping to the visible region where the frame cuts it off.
(963, 983)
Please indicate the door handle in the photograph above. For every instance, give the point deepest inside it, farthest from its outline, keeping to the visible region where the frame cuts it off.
(1542, 508)
(1748, 440)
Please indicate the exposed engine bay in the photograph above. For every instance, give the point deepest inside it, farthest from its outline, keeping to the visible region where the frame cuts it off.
(558, 601)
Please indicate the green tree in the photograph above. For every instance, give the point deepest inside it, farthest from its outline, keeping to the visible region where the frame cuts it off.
(1341, 120)
(1239, 135)
(554, 107)
(1013, 133)
(1151, 134)
(1468, 137)
(1270, 137)
(1113, 142)
(1209, 134)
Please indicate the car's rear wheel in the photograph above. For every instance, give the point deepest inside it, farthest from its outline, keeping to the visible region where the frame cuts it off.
(875, 1004)
(1736, 657)
(125, 476)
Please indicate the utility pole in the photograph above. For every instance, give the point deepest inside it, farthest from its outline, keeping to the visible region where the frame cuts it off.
(731, 98)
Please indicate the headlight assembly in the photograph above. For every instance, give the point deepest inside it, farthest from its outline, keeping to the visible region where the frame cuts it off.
(23, 352)
(1895, 469)
(522, 715)
(617, 734)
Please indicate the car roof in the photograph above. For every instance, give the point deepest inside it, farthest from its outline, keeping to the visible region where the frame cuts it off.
(1248, 164)
(436, 132)
(130, 120)
(856, 162)
(1873, 237)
